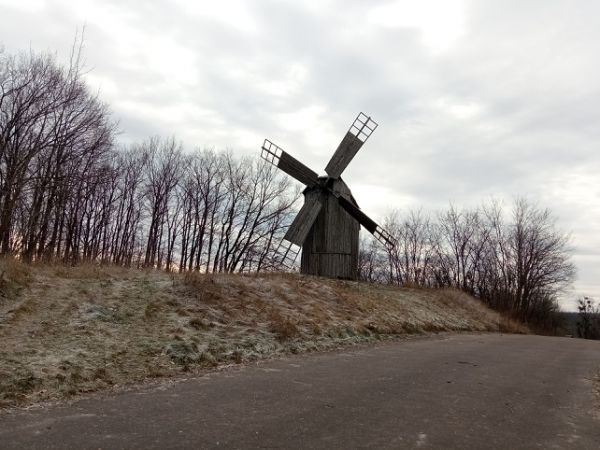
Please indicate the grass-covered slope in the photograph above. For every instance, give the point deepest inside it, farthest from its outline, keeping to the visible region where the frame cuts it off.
(65, 331)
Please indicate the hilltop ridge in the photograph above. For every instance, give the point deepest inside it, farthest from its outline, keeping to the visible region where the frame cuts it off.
(69, 330)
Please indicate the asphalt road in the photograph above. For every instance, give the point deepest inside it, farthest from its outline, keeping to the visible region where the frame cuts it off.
(453, 392)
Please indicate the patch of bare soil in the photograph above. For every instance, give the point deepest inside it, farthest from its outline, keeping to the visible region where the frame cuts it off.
(65, 331)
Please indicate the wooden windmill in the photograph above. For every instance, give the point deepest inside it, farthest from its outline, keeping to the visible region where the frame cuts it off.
(328, 223)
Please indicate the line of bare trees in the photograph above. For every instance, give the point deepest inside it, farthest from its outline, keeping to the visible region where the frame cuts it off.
(515, 261)
(52, 132)
(66, 192)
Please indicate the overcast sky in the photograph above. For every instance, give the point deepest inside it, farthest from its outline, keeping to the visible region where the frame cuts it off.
(475, 99)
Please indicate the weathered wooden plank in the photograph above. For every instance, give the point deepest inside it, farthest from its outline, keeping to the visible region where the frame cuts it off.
(340, 229)
(305, 219)
(331, 265)
(349, 146)
(360, 216)
(331, 246)
(296, 169)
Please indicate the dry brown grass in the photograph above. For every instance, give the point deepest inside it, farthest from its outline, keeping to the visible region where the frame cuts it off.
(14, 276)
(68, 330)
(596, 387)
(282, 326)
(504, 323)
(85, 271)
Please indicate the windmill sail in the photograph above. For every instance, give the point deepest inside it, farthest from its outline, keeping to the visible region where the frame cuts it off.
(360, 130)
(304, 220)
(290, 165)
(360, 216)
(380, 234)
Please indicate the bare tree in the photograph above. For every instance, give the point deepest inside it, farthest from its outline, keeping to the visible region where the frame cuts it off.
(588, 325)
(51, 129)
(412, 258)
(541, 258)
(163, 172)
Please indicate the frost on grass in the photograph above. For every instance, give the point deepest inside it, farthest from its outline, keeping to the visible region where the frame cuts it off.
(70, 330)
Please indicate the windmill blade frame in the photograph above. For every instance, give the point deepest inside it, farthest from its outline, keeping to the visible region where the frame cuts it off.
(358, 133)
(286, 254)
(290, 165)
(385, 237)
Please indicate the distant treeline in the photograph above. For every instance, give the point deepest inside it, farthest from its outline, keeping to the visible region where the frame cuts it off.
(68, 193)
(518, 262)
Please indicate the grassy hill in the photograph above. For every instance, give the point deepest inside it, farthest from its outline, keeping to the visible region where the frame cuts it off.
(65, 331)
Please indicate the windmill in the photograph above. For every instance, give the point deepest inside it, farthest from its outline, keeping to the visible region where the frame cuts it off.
(328, 224)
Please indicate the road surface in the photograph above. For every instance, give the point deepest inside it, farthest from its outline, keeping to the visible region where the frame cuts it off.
(450, 392)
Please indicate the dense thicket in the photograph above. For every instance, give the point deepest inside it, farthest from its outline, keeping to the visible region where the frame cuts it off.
(66, 193)
(517, 262)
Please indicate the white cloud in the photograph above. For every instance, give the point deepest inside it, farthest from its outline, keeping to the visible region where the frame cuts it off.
(234, 13)
(457, 109)
(377, 200)
(440, 22)
(26, 6)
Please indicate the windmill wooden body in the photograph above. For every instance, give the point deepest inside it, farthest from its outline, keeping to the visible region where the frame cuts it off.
(327, 226)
